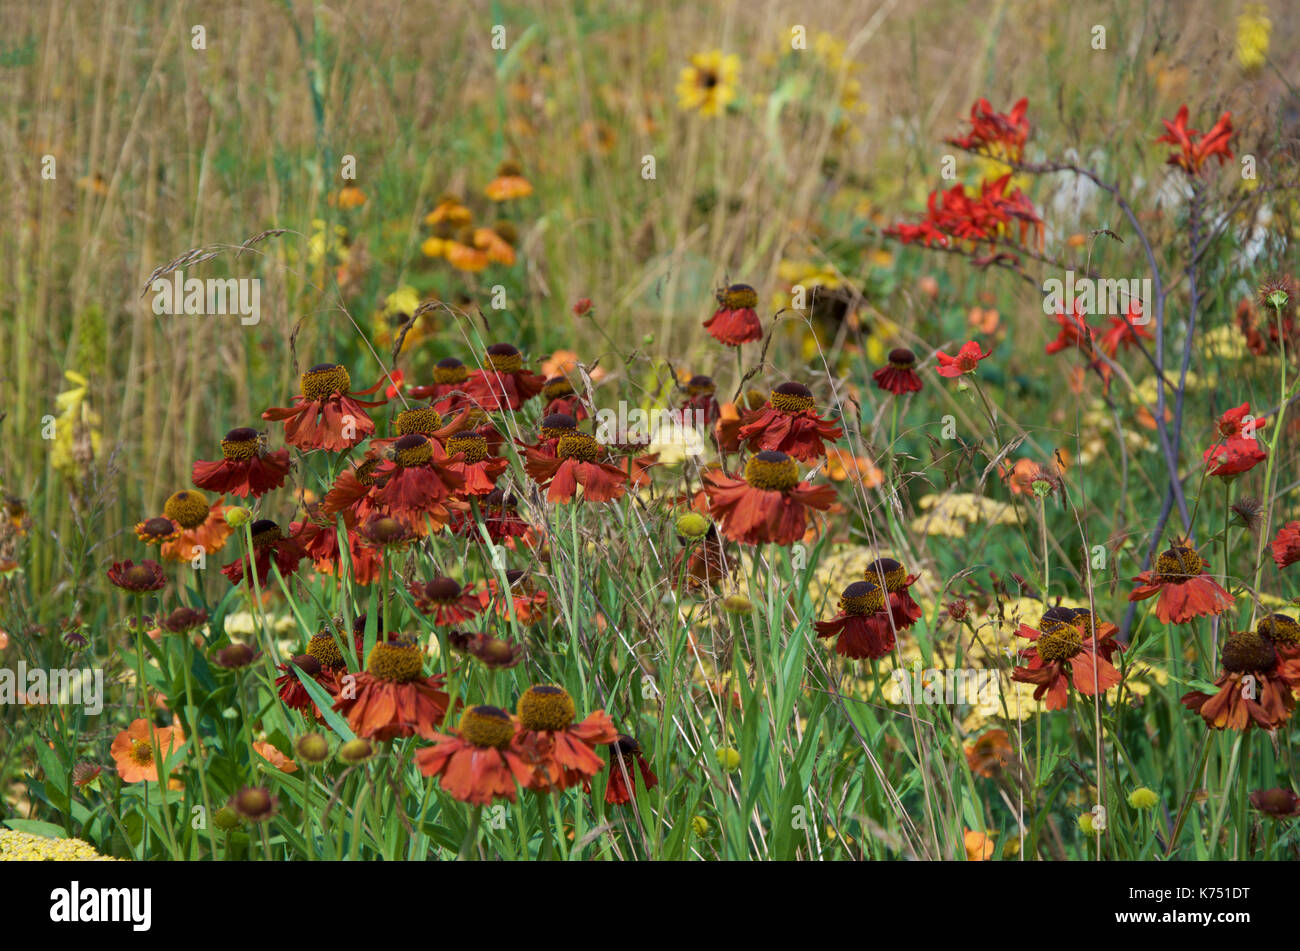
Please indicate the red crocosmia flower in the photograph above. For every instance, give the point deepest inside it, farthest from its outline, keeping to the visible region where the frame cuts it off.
(504, 383)
(350, 493)
(923, 232)
(1286, 546)
(392, 697)
(412, 487)
(788, 423)
(1127, 331)
(578, 461)
(1253, 689)
(526, 600)
(862, 625)
(1193, 148)
(899, 376)
(500, 516)
(445, 601)
(561, 753)
(138, 579)
(1185, 590)
(735, 322)
(1066, 651)
(1001, 135)
(470, 458)
(769, 504)
(201, 525)
(325, 415)
(966, 361)
(475, 763)
(320, 540)
(269, 544)
(1074, 332)
(965, 217)
(700, 396)
(1237, 449)
(247, 467)
(294, 694)
(447, 393)
(893, 577)
(562, 398)
(625, 762)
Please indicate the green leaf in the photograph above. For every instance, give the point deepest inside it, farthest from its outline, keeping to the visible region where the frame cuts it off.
(47, 829)
(326, 706)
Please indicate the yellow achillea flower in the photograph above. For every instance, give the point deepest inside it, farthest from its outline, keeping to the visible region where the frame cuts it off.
(1139, 680)
(1098, 434)
(1253, 30)
(28, 847)
(76, 430)
(950, 515)
(709, 83)
(1225, 342)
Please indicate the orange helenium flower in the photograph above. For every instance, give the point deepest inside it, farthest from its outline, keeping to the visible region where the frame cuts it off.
(392, 697)
(769, 504)
(1185, 590)
(561, 753)
(326, 415)
(1254, 688)
(476, 763)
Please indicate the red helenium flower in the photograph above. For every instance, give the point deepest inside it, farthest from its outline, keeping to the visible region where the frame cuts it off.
(577, 462)
(899, 376)
(269, 544)
(325, 415)
(788, 423)
(247, 467)
(735, 322)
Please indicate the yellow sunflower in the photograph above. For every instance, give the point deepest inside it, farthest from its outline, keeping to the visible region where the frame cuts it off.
(709, 83)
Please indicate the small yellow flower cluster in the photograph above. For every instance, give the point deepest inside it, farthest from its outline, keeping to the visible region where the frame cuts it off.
(1225, 342)
(1098, 434)
(1253, 30)
(950, 515)
(28, 847)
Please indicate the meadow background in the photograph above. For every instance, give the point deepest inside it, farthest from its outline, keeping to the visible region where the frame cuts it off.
(161, 149)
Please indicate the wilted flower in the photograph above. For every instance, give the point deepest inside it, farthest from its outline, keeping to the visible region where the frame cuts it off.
(138, 579)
